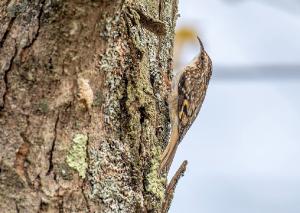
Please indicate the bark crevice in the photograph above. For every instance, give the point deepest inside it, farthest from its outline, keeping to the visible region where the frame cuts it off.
(5, 78)
(38, 26)
(53, 143)
(7, 30)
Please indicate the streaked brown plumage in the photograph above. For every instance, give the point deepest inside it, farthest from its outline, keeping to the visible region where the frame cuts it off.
(188, 92)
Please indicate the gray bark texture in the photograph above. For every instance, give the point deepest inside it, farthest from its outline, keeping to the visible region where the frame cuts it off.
(84, 116)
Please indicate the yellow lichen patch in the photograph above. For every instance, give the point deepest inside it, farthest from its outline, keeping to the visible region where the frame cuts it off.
(156, 183)
(76, 157)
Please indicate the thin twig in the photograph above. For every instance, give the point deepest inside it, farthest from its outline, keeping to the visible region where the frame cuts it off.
(172, 185)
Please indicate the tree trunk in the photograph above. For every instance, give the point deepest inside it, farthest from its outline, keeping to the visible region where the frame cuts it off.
(83, 104)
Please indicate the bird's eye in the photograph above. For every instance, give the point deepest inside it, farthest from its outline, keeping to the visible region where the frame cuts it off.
(185, 107)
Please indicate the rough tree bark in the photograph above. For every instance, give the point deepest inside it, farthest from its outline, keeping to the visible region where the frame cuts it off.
(83, 104)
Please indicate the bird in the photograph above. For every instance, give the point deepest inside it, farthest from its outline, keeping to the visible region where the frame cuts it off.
(187, 94)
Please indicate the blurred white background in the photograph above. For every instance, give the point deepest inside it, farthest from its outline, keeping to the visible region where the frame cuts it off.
(244, 148)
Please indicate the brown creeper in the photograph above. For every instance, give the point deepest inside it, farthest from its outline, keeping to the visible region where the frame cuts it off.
(187, 95)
